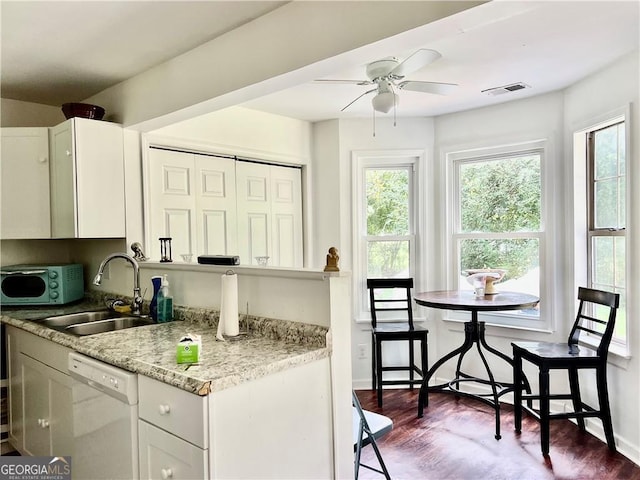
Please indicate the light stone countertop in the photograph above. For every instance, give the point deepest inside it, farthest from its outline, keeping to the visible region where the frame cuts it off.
(264, 346)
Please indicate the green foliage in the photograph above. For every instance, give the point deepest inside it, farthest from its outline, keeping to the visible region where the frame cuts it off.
(388, 214)
(387, 202)
(500, 196)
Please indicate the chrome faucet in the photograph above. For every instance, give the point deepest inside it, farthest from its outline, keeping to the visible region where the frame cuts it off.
(136, 307)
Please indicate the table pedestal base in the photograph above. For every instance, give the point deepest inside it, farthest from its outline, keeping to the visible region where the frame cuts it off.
(473, 334)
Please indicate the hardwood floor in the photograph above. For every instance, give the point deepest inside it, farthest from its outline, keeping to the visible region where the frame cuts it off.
(455, 440)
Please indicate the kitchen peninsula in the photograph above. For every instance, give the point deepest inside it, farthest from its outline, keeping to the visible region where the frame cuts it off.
(256, 396)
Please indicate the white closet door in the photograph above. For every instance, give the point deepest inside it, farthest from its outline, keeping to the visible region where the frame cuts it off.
(254, 211)
(286, 217)
(173, 205)
(216, 206)
(269, 214)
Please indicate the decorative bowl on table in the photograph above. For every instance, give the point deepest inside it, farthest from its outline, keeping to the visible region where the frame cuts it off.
(489, 276)
(82, 110)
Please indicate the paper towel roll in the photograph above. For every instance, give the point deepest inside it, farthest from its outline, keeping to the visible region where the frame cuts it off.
(229, 323)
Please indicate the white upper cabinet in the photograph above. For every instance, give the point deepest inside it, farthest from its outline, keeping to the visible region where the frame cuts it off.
(87, 180)
(24, 162)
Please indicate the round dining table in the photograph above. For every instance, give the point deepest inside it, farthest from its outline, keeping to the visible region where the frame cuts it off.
(474, 331)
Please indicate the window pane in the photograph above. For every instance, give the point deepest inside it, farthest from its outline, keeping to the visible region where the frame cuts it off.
(606, 152)
(603, 261)
(620, 330)
(606, 203)
(501, 195)
(388, 259)
(518, 257)
(609, 183)
(387, 192)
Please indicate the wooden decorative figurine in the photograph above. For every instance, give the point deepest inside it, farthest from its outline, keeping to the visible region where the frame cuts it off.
(332, 260)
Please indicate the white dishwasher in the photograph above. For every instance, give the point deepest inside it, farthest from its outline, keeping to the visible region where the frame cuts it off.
(105, 420)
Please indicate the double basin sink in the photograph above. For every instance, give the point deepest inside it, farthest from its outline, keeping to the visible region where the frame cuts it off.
(90, 323)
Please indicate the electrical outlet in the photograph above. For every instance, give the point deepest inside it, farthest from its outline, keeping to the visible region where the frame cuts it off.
(362, 351)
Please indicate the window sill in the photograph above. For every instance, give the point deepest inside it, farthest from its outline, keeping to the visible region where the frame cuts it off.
(618, 355)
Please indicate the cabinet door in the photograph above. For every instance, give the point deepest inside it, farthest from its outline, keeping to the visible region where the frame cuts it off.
(37, 439)
(48, 425)
(24, 162)
(63, 189)
(99, 156)
(14, 373)
(87, 180)
(163, 455)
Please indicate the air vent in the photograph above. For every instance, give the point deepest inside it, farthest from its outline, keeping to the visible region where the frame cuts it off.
(514, 87)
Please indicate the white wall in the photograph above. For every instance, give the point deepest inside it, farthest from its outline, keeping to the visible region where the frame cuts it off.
(586, 103)
(14, 113)
(334, 141)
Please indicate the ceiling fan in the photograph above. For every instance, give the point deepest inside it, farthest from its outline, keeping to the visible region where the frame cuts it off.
(387, 75)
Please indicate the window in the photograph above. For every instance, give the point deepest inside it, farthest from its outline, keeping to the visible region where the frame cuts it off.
(497, 222)
(606, 167)
(384, 226)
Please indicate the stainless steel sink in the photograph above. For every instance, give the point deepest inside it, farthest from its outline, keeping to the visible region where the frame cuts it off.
(108, 325)
(90, 323)
(61, 321)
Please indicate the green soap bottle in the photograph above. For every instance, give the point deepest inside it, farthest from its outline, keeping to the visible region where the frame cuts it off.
(165, 302)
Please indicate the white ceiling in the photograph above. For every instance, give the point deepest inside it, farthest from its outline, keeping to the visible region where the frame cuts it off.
(547, 45)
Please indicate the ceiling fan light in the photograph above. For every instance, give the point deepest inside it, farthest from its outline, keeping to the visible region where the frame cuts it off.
(383, 102)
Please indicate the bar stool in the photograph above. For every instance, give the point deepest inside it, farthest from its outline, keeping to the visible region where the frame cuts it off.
(594, 320)
(394, 332)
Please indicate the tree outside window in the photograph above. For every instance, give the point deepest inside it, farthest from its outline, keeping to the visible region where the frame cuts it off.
(499, 218)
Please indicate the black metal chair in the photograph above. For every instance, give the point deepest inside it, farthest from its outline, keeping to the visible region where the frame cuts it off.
(367, 428)
(596, 316)
(394, 331)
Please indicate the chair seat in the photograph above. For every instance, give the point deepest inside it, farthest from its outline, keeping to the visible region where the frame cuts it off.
(398, 328)
(379, 425)
(555, 351)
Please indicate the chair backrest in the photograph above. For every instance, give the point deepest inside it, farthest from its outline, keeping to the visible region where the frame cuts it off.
(398, 304)
(594, 319)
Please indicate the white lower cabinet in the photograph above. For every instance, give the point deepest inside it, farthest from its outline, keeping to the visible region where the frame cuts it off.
(173, 432)
(40, 400)
(163, 455)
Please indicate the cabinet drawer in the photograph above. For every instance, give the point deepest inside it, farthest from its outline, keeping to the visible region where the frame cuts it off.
(165, 456)
(177, 411)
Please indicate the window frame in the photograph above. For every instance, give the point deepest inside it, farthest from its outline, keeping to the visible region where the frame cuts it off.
(620, 346)
(361, 161)
(454, 157)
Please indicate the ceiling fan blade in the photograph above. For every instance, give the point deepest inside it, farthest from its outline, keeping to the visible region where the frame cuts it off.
(415, 61)
(428, 87)
(358, 98)
(344, 82)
